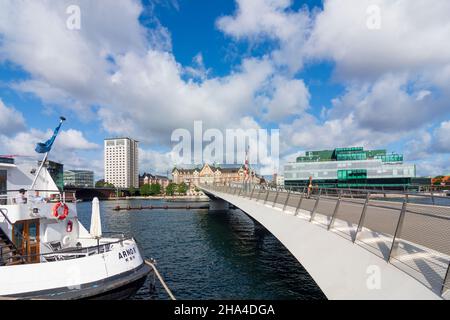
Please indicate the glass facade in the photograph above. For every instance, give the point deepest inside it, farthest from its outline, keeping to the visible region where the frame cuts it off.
(350, 167)
(7, 160)
(56, 171)
(79, 178)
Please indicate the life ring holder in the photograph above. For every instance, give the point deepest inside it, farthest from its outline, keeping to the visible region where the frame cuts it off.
(56, 209)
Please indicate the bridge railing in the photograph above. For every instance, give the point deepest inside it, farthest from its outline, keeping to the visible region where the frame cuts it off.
(409, 230)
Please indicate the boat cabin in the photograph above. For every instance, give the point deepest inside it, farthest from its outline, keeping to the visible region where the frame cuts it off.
(36, 221)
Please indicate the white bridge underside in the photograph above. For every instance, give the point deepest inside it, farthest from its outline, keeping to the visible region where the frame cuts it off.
(342, 269)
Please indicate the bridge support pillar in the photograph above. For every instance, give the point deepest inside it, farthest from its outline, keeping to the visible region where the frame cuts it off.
(217, 205)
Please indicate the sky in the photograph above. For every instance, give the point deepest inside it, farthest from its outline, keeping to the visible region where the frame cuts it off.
(327, 74)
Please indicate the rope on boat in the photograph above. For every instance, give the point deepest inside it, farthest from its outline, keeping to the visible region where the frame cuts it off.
(152, 265)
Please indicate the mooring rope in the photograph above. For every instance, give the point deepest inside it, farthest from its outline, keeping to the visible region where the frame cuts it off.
(151, 264)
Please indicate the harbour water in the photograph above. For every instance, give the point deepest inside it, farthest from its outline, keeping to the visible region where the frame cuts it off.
(205, 255)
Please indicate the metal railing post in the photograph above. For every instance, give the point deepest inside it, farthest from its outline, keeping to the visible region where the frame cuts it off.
(287, 199)
(259, 193)
(336, 209)
(299, 203)
(401, 219)
(267, 195)
(251, 195)
(313, 213)
(276, 198)
(446, 278)
(362, 218)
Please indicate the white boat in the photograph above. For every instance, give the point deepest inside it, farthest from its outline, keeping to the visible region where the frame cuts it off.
(46, 253)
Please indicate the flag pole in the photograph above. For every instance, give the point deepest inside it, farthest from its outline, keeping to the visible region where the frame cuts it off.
(61, 120)
(39, 171)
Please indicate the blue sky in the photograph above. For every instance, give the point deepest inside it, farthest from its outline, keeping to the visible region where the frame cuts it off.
(328, 75)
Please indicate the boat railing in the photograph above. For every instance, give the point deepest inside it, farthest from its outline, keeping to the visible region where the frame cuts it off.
(4, 213)
(11, 197)
(68, 253)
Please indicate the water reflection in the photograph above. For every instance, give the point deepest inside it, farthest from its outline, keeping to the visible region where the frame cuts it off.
(205, 255)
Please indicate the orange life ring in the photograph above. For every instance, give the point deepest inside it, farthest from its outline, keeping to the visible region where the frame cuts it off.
(56, 211)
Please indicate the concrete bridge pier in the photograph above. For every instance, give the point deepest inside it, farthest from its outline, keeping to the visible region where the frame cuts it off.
(218, 205)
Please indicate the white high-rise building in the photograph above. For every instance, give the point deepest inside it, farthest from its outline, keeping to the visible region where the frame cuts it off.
(121, 162)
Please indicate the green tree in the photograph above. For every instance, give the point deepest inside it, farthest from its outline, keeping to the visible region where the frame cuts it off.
(155, 189)
(103, 184)
(145, 190)
(132, 191)
(170, 189)
(182, 188)
(99, 183)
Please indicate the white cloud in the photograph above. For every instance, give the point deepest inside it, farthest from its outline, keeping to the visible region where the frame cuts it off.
(410, 38)
(74, 140)
(11, 120)
(442, 138)
(430, 142)
(155, 162)
(433, 166)
(390, 104)
(71, 148)
(256, 20)
(66, 65)
(147, 85)
(128, 80)
(396, 78)
(309, 133)
(24, 142)
(290, 98)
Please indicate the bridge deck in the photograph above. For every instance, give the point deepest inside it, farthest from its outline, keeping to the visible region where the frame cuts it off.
(347, 270)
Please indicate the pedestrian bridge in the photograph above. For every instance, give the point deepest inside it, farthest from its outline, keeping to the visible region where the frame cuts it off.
(355, 244)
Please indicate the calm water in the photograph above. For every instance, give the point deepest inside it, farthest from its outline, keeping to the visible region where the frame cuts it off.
(206, 255)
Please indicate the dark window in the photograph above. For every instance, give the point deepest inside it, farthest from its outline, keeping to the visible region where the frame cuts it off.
(3, 186)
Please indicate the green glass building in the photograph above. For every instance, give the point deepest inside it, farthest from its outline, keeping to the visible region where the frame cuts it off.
(79, 178)
(56, 171)
(350, 168)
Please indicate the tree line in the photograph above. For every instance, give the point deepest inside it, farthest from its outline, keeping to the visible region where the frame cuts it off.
(154, 189)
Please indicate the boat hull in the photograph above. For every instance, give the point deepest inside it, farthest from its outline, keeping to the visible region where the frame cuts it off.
(113, 274)
(118, 287)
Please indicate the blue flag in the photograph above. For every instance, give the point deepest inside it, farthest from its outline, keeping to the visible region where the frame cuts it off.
(44, 147)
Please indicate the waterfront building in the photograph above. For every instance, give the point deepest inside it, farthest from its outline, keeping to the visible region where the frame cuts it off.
(350, 168)
(148, 178)
(443, 181)
(56, 171)
(79, 178)
(210, 174)
(121, 162)
(279, 181)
